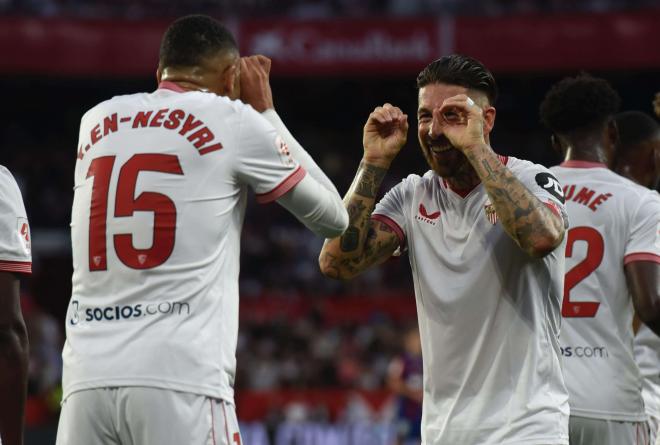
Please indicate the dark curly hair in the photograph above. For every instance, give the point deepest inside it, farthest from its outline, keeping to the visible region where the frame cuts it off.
(635, 127)
(458, 69)
(192, 38)
(577, 103)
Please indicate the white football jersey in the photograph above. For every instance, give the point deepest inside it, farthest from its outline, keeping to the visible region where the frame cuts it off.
(15, 241)
(160, 192)
(488, 313)
(647, 356)
(613, 222)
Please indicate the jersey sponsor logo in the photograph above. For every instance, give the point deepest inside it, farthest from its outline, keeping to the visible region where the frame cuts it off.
(23, 229)
(585, 351)
(550, 184)
(491, 214)
(126, 311)
(424, 215)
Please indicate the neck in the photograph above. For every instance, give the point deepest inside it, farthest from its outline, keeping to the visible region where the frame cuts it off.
(589, 150)
(186, 85)
(465, 179)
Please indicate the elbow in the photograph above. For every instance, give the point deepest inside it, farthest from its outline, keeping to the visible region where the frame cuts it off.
(331, 267)
(14, 340)
(650, 314)
(545, 244)
(337, 228)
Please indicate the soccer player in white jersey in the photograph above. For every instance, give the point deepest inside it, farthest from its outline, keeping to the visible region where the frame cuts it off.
(161, 183)
(638, 158)
(15, 259)
(484, 236)
(612, 253)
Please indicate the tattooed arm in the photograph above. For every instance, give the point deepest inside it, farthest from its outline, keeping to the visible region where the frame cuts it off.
(367, 242)
(531, 224)
(527, 220)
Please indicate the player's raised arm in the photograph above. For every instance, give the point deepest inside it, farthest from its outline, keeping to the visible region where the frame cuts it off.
(532, 225)
(367, 242)
(314, 200)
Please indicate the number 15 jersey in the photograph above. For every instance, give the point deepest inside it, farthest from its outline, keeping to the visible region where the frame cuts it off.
(613, 222)
(160, 191)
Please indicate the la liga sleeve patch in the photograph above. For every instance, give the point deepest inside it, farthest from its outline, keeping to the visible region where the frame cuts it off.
(550, 184)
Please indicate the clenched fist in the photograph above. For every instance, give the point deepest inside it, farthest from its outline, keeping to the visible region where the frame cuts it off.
(385, 133)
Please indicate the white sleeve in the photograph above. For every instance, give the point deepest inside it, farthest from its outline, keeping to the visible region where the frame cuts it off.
(297, 151)
(390, 210)
(278, 172)
(320, 210)
(263, 160)
(15, 253)
(643, 243)
(545, 186)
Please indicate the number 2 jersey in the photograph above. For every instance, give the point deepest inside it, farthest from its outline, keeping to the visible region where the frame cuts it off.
(613, 222)
(489, 314)
(159, 197)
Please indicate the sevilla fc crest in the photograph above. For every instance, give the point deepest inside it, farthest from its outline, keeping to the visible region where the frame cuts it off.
(491, 215)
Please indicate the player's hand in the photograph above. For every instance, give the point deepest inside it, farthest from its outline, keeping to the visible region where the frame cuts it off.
(656, 104)
(255, 85)
(385, 133)
(461, 121)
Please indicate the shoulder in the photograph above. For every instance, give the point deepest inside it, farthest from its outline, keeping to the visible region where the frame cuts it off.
(7, 181)
(114, 103)
(10, 193)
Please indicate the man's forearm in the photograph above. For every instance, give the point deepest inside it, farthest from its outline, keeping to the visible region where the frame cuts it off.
(340, 257)
(13, 381)
(524, 217)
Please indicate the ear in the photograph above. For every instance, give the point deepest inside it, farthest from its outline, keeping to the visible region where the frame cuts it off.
(613, 132)
(230, 81)
(489, 118)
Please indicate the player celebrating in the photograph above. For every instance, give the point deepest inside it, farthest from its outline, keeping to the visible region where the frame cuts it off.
(15, 257)
(160, 192)
(484, 235)
(638, 159)
(613, 237)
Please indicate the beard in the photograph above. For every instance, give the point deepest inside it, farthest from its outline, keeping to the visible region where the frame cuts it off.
(443, 158)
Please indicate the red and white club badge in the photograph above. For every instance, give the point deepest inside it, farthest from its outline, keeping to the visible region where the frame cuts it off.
(491, 215)
(23, 229)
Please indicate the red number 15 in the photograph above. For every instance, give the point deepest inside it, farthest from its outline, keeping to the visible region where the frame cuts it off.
(126, 204)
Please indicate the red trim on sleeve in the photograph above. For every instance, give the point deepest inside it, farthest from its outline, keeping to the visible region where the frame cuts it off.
(643, 256)
(284, 186)
(392, 225)
(573, 163)
(552, 206)
(16, 266)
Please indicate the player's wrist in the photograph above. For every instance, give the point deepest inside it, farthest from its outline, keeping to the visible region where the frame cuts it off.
(376, 161)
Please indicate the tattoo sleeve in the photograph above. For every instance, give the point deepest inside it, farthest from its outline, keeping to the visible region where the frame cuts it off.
(365, 242)
(531, 224)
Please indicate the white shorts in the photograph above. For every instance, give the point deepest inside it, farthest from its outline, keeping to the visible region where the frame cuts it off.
(146, 416)
(654, 426)
(586, 431)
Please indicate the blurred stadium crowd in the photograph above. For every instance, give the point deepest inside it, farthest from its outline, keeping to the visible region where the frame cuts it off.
(308, 9)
